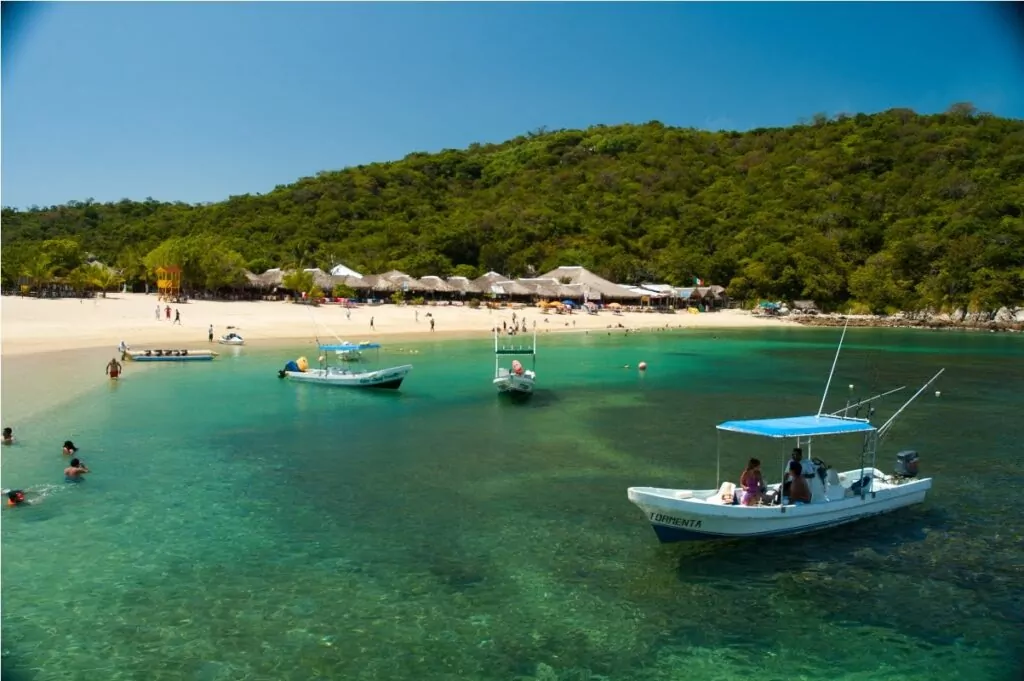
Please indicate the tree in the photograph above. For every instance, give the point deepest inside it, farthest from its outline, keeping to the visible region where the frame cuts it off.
(103, 278)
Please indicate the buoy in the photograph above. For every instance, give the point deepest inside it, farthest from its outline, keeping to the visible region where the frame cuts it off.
(938, 393)
(642, 366)
(851, 386)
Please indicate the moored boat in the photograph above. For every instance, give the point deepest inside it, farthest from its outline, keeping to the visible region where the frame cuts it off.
(516, 381)
(389, 378)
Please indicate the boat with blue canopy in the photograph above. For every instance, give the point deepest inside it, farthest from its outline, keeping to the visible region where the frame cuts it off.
(810, 495)
(300, 370)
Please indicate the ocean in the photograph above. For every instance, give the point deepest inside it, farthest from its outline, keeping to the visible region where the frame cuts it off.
(238, 526)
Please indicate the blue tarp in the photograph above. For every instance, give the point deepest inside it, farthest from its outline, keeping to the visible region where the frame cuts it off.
(798, 426)
(350, 346)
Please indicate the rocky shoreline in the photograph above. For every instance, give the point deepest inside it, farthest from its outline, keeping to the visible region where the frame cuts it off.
(1005, 319)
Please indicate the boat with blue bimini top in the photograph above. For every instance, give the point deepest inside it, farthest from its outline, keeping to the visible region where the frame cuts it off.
(830, 498)
(299, 370)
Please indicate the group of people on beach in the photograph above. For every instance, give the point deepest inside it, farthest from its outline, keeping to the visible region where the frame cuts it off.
(73, 472)
(167, 312)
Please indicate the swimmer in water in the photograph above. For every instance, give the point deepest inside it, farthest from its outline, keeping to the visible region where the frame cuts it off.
(8, 438)
(69, 448)
(113, 368)
(75, 471)
(15, 497)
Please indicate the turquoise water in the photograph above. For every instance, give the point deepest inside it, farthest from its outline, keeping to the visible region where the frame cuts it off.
(241, 527)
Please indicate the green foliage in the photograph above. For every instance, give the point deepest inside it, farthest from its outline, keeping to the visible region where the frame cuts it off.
(299, 281)
(888, 210)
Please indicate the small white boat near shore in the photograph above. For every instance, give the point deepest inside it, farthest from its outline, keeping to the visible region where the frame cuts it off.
(388, 378)
(836, 497)
(231, 338)
(515, 381)
(170, 355)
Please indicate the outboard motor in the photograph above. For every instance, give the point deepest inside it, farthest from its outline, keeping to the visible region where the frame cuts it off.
(906, 464)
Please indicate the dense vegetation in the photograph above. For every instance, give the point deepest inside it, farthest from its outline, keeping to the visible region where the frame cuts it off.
(894, 210)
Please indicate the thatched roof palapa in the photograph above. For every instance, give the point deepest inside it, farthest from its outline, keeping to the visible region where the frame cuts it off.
(403, 281)
(435, 284)
(593, 285)
(463, 285)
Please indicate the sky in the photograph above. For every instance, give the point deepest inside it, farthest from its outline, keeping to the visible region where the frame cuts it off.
(199, 101)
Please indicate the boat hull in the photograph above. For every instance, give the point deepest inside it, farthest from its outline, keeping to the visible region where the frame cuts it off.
(694, 519)
(387, 379)
(514, 385)
(231, 342)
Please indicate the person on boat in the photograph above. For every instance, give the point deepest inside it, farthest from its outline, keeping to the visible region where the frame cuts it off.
(75, 471)
(69, 448)
(806, 469)
(752, 483)
(799, 490)
(113, 368)
(8, 438)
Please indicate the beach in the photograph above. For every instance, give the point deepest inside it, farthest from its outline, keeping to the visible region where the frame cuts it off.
(31, 325)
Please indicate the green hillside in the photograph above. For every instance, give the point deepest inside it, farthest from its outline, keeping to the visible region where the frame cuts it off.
(893, 210)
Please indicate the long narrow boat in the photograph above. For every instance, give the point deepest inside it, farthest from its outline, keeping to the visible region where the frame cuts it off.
(515, 381)
(170, 355)
(836, 498)
(299, 370)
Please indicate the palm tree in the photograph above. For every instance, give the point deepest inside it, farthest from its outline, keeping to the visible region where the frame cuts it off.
(103, 277)
(39, 271)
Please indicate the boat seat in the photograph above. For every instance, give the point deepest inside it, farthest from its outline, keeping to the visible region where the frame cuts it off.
(728, 489)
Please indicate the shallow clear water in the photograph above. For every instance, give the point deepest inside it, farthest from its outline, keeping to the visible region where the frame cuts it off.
(241, 527)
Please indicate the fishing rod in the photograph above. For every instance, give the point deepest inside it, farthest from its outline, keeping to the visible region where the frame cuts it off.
(885, 426)
(821, 407)
(867, 401)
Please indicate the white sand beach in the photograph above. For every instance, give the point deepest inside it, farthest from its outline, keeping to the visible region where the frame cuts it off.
(30, 325)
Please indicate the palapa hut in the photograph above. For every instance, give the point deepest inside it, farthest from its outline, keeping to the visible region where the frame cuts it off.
(547, 288)
(435, 284)
(593, 286)
(484, 282)
(463, 286)
(271, 278)
(404, 282)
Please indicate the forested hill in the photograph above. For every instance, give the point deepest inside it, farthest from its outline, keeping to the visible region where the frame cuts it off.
(893, 210)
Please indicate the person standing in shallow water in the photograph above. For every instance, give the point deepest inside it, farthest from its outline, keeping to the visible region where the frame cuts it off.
(75, 471)
(113, 368)
(8, 437)
(69, 448)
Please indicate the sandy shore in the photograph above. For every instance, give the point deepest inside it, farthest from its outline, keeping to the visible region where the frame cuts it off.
(29, 325)
(55, 350)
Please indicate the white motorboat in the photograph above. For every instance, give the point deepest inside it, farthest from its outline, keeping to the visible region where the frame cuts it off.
(515, 381)
(231, 338)
(300, 371)
(836, 498)
(356, 353)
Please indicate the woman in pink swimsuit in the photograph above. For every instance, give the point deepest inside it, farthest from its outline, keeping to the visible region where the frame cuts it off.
(751, 482)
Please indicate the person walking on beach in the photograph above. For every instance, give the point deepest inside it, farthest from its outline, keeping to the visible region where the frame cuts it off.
(417, 316)
(158, 311)
(371, 324)
(348, 313)
(167, 311)
(177, 317)
(211, 333)
(431, 323)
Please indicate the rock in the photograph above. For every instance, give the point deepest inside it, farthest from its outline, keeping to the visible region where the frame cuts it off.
(958, 315)
(1018, 316)
(1005, 316)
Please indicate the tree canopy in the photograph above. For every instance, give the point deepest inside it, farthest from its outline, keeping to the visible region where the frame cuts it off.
(892, 210)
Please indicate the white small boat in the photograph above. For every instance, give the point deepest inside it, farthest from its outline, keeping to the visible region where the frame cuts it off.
(300, 371)
(356, 353)
(231, 338)
(836, 498)
(170, 355)
(515, 381)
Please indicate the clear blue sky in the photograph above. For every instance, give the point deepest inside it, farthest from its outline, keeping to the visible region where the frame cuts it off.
(197, 101)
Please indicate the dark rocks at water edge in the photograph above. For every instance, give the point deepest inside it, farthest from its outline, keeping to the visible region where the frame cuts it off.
(1005, 319)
